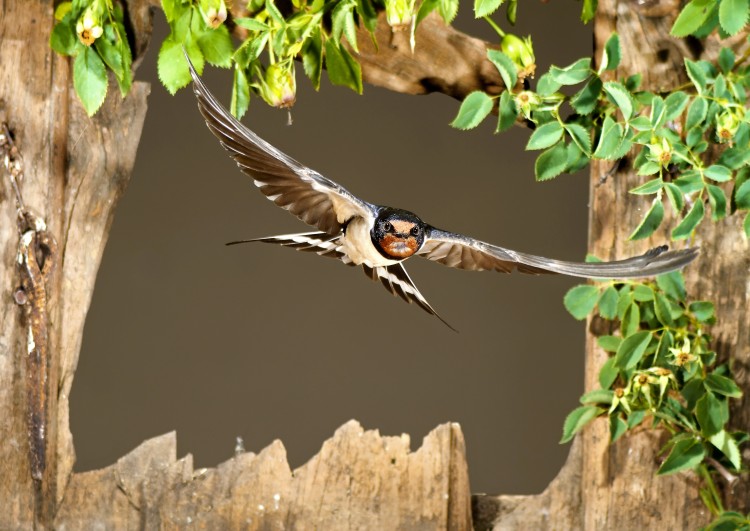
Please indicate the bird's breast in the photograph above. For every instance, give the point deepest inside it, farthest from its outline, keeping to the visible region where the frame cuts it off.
(399, 247)
(358, 245)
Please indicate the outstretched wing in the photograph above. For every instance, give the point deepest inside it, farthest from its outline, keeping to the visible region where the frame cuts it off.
(320, 243)
(397, 281)
(462, 252)
(313, 198)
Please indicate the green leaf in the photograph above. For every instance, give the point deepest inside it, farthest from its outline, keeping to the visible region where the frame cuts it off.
(611, 54)
(577, 419)
(342, 68)
(673, 284)
(580, 300)
(63, 39)
(690, 182)
(581, 136)
(746, 225)
(726, 60)
(709, 411)
(546, 86)
(734, 157)
(545, 136)
(511, 12)
(482, 8)
(608, 303)
(631, 320)
(692, 17)
(696, 74)
(617, 427)
(650, 187)
(609, 139)
(240, 94)
(608, 373)
(172, 67)
(551, 163)
(662, 309)
(609, 343)
(643, 293)
(505, 66)
(312, 58)
(703, 310)
(251, 24)
(658, 113)
(685, 455)
(742, 196)
(588, 10)
(620, 96)
(696, 112)
(507, 112)
(675, 197)
(597, 396)
(722, 385)
(90, 80)
(216, 46)
(733, 15)
(632, 349)
(473, 110)
(650, 221)
(675, 104)
(585, 100)
(572, 74)
(728, 446)
(718, 173)
(342, 18)
(448, 10)
(718, 202)
(690, 222)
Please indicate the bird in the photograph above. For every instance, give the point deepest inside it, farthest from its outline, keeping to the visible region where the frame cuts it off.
(381, 238)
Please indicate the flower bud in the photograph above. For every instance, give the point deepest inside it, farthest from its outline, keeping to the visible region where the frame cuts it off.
(527, 101)
(89, 26)
(521, 52)
(279, 87)
(660, 151)
(214, 12)
(727, 124)
(399, 13)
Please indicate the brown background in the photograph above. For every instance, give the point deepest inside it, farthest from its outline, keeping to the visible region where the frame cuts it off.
(262, 342)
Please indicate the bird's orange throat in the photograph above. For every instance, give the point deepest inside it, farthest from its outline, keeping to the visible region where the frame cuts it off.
(398, 247)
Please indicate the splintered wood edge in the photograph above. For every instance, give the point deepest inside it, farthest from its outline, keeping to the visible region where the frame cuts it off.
(359, 479)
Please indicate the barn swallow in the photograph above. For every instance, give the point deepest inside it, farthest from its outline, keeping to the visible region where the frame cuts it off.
(381, 238)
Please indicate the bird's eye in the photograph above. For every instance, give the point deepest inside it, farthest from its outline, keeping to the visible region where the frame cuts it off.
(387, 227)
(415, 231)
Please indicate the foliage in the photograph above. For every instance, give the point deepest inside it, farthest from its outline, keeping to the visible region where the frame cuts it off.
(661, 367)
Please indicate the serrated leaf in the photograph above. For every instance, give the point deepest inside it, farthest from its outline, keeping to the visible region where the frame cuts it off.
(551, 163)
(608, 303)
(475, 108)
(608, 373)
(482, 8)
(240, 94)
(718, 202)
(588, 10)
(172, 67)
(662, 309)
(217, 48)
(597, 396)
(696, 112)
(722, 385)
(728, 446)
(631, 320)
(251, 24)
(546, 86)
(312, 58)
(650, 187)
(696, 74)
(676, 199)
(734, 157)
(726, 60)
(718, 173)
(581, 136)
(585, 100)
(448, 10)
(690, 222)
(609, 343)
(690, 182)
(632, 349)
(742, 196)
(703, 310)
(685, 455)
(650, 221)
(692, 17)
(642, 293)
(675, 104)
(545, 136)
(63, 38)
(620, 96)
(709, 411)
(577, 419)
(617, 427)
(609, 139)
(733, 15)
(573, 73)
(507, 112)
(673, 284)
(580, 300)
(505, 66)
(342, 68)
(611, 54)
(746, 225)
(90, 80)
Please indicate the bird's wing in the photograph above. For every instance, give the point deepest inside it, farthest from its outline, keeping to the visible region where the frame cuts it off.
(320, 243)
(313, 198)
(462, 252)
(397, 281)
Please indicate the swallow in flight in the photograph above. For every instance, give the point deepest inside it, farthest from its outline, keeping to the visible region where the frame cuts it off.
(380, 238)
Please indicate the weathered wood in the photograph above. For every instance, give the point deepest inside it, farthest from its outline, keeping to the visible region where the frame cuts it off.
(358, 480)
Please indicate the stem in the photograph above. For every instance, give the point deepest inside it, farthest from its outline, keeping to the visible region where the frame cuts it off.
(494, 26)
(711, 486)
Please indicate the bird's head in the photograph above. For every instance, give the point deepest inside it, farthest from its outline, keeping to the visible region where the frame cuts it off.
(397, 234)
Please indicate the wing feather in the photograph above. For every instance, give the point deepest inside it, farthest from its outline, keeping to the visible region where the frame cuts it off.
(462, 252)
(310, 196)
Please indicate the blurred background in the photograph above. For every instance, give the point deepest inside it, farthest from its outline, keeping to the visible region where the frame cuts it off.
(265, 343)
